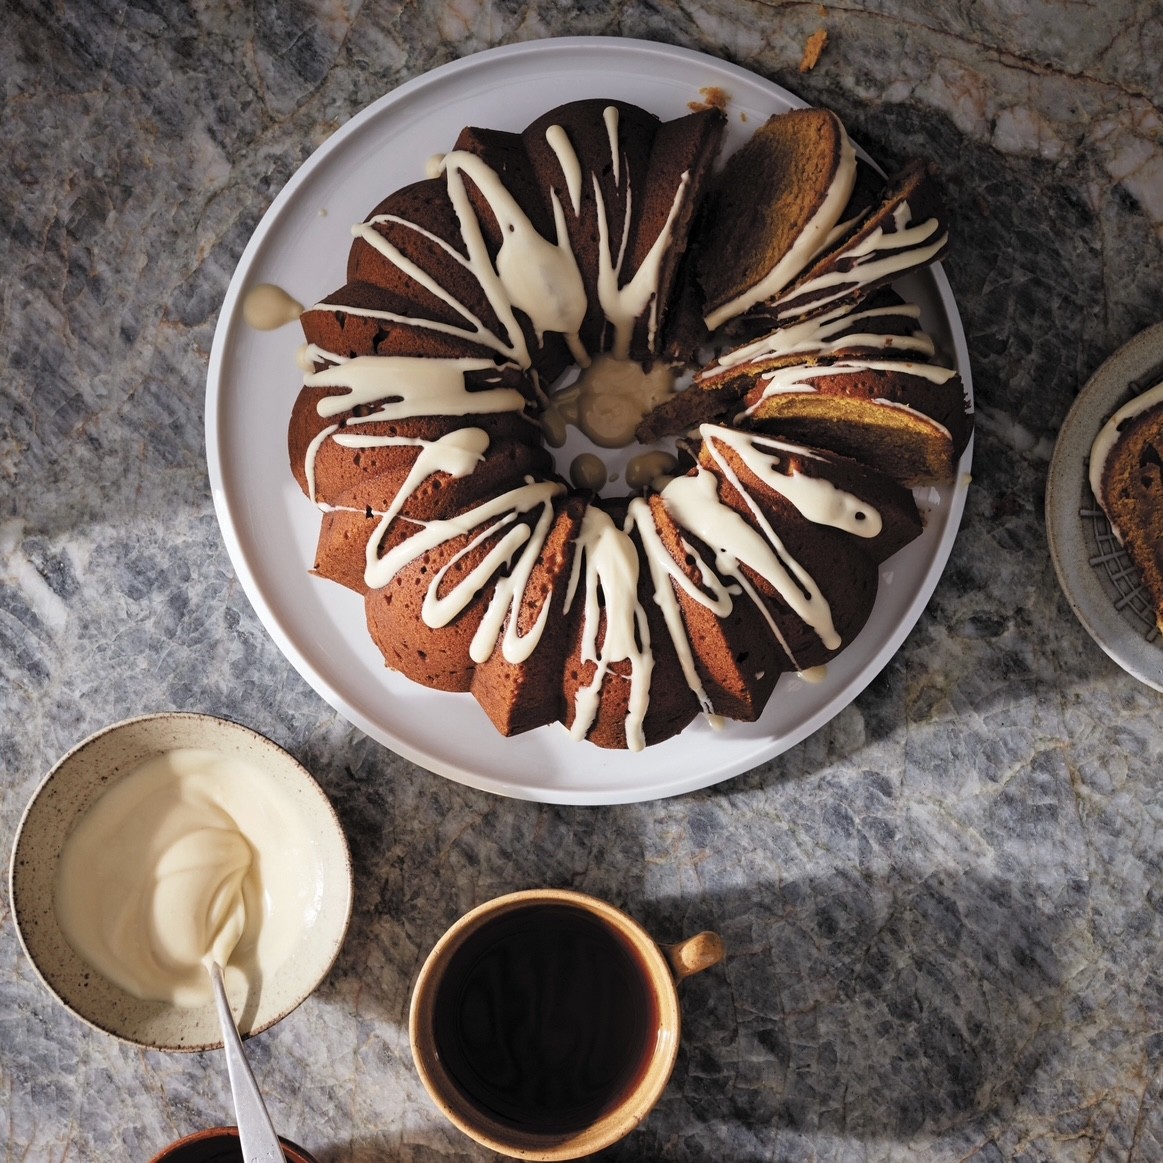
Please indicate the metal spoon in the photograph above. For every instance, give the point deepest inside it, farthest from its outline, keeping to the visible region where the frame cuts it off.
(256, 1132)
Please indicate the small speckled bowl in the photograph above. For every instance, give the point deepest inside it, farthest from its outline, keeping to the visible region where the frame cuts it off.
(220, 1145)
(71, 788)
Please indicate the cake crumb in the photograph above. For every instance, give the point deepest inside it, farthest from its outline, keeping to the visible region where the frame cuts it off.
(812, 50)
(713, 98)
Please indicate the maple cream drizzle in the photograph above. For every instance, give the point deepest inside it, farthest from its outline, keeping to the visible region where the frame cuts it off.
(694, 503)
(610, 398)
(402, 387)
(799, 377)
(881, 256)
(605, 562)
(648, 467)
(588, 471)
(267, 307)
(826, 334)
(535, 275)
(515, 550)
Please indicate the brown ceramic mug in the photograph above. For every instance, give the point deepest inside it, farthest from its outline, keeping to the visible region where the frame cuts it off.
(545, 1024)
(221, 1145)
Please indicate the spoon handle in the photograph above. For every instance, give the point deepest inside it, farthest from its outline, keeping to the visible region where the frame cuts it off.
(256, 1132)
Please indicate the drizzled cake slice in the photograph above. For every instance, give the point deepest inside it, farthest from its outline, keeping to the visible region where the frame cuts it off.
(1126, 477)
(772, 209)
(904, 232)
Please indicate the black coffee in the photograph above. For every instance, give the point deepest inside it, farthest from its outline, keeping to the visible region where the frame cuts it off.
(545, 1018)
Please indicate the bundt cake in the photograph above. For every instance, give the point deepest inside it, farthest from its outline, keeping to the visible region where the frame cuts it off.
(1126, 477)
(422, 425)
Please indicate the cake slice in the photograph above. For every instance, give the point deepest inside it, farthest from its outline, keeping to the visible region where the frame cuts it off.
(884, 327)
(681, 160)
(772, 209)
(623, 683)
(590, 161)
(803, 571)
(410, 486)
(513, 215)
(431, 602)
(519, 685)
(816, 485)
(905, 231)
(729, 657)
(414, 247)
(354, 419)
(908, 419)
(1126, 476)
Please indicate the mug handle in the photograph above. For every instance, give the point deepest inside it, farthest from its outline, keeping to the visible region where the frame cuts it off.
(694, 954)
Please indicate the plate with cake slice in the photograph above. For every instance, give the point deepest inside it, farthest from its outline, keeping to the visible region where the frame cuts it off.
(1104, 504)
(604, 485)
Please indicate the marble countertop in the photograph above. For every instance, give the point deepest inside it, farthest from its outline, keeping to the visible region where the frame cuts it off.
(942, 910)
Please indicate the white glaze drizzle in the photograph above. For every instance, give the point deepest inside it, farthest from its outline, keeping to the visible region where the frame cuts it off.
(477, 334)
(647, 467)
(512, 346)
(456, 453)
(610, 117)
(664, 569)
(515, 552)
(694, 503)
(881, 256)
(510, 589)
(816, 499)
(606, 562)
(406, 386)
(531, 273)
(826, 334)
(623, 305)
(810, 241)
(609, 399)
(588, 471)
(403, 387)
(799, 377)
(558, 141)
(695, 497)
(538, 276)
(266, 307)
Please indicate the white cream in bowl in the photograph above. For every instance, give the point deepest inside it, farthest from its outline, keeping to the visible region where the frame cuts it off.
(149, 856)
(191, 856)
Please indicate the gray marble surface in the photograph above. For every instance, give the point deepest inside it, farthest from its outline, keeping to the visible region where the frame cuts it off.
(942, 910)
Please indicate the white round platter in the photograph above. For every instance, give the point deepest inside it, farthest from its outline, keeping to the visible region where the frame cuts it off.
(270, 529)
(1095, 574)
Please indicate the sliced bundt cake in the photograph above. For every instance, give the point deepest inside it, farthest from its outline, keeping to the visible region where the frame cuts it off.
(418, 430)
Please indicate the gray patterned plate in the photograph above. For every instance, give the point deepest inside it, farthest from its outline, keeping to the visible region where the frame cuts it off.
(1096, 575)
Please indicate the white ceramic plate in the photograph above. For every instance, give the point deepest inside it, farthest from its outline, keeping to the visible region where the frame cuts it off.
(1096, 575)
(270, 529)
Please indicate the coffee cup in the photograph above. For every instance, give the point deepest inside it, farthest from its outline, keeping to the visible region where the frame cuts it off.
(545, 1024)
